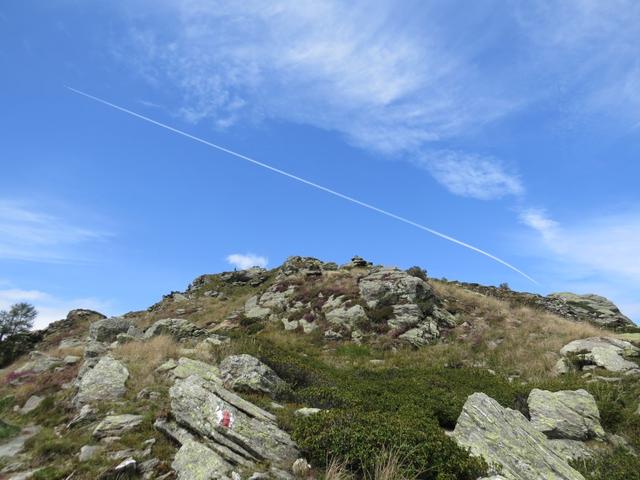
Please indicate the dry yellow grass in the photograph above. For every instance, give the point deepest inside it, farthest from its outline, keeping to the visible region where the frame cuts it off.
(142, 358)
(504, 336)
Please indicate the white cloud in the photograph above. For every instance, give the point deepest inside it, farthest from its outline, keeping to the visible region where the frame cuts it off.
(31, 234)
(50, 308)
(247, 260)
(597, 253)
(472, 176)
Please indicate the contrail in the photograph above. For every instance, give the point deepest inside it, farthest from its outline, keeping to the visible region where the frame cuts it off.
(306, 182)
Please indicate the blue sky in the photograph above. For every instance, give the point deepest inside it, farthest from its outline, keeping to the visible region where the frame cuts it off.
(513, 126)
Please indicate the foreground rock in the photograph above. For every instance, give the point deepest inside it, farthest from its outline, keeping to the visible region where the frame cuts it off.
(11, 448)
(105, 381)
(505, 438)
(566, 414)
(115, 425)
(604, 352)
(247, 373)
(222, 430)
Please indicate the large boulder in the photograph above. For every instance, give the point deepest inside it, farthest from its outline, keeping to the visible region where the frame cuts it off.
(247, 373)
(605, 352)
(178, 328)
(347, 317)
(187, 367)
(568, 414)
(107, 329)
(105, 381)
(236, 429)
(392, 282)
(506, 439)
(593, 308)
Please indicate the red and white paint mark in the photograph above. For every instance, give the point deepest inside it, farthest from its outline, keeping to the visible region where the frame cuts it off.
(225, 418)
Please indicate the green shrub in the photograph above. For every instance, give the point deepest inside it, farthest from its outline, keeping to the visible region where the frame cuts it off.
(418, 272)
(358, 437)
(7, 431)
(618, 465)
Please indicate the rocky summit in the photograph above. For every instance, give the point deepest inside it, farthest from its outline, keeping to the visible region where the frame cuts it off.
(326, 371)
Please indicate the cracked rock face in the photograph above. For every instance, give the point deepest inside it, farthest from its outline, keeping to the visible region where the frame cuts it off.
(505, 438)
(107, 330)
(237, 431)
(247, 373)
(105, 381)
(595, 308)
(114, 425)
(568, 414)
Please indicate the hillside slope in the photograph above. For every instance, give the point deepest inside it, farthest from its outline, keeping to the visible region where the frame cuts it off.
(315, 369)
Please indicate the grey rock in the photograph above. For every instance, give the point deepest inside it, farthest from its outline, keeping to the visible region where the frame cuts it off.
(594, 308)
(254, 311)
(71, 359)
(216, 340)
(195, 461)
(166, 366)
(605, 352)
(505, 438)
(114, 425)
(94, 349)
(9, 449)
(39, 362)
(107, 329)
(187, 367)
(178, 328)
(425, 334)
(228, 422)
(570, 450)
(31, 404)
(87, 452)
(86, 415)
(301, 468)
(567, 414)
(71, 343)
(105, 381)
(347, 317)
(247, 373)
(406, 315)
(392, 281)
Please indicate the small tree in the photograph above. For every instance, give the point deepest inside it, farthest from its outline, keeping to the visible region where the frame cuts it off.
(18, 319)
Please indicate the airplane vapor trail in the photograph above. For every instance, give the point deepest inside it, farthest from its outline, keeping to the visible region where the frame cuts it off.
(306, 182)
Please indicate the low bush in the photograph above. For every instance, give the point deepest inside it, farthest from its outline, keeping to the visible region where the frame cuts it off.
(358, 437)
(7, 431)
(618, 465)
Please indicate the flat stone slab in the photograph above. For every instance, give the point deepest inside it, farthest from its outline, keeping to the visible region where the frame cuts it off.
(16, 444)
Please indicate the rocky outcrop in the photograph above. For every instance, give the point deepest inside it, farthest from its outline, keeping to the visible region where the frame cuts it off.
(178, 328)
(247, 373)
(107, 329)
(582, 308)
(105, 381)
(568, 414)
(505, 438)
(185, 367)
(593, 308)
(39, 362)
(232, 432)
(604, 352)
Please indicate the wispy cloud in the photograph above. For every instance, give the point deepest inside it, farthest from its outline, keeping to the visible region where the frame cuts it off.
(247, 260)
(391, 82)
(474, 176)
(32, 234)
(50, 307)
(599, 253)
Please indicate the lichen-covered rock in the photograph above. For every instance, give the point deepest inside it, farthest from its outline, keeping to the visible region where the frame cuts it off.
(594, 308)
(505, 438)
(39, 362)
(232, 426)
(194, 461)
(105, 381)
(31, 404)
(426, 333)
(178, 328)
(107, 329)
(568, 414)
(605, 352)
(247, 373)
(114, 425)
(254, 311)
(347, 317)
(385, 282)
(187, 367)
(570, 450)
